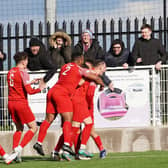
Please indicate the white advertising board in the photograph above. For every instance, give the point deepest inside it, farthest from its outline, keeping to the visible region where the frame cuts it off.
(129, 106)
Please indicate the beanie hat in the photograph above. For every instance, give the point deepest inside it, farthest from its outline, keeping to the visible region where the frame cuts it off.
(89, 32)
(34, 42)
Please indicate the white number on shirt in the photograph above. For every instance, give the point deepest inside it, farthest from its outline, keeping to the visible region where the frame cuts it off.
(68, 67)
(11, 80)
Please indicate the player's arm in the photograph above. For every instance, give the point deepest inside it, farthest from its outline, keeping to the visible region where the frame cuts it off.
(90, 75)
(27, 84)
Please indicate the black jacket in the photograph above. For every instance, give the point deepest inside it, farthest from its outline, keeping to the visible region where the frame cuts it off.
(2, 60)
(151, 51)
(118, 60)
(41, 62)
(94, 52)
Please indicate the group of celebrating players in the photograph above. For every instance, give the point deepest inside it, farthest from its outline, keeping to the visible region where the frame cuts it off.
(71, 97)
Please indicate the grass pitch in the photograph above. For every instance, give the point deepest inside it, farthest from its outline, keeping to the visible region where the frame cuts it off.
(152, 159)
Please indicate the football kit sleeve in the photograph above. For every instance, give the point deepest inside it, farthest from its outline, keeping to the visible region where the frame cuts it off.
(27, 83)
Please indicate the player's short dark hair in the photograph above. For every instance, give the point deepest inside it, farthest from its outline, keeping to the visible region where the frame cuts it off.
(76, 55)
(146, 26)
(98, 62)
(19, 56)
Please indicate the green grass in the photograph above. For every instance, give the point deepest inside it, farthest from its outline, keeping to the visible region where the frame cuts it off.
(152, 159)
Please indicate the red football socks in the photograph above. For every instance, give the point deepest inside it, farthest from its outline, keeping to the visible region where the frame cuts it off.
(43, 131)
(16, 138)
(2, 152)
(60, 143)
(98, 143)
(67, 131)
(86, 133)
(27, 138)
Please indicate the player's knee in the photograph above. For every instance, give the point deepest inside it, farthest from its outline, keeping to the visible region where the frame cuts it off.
(50, 118)
(88, 121)
(34, 129)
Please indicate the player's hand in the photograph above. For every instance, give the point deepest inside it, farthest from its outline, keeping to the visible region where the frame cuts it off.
(42, 84)
(111, 86)
(35, 80)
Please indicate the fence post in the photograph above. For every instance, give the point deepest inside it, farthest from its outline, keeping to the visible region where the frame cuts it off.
(72, 31)
(40, 30)
(153, 27)
(144, 21)
(24, 35)
(31, 28)
(17, 37)
(160, 29)
(104, 34)
(88, 24)
(112, 30)
(136, 24)
(9, 44)
(120, 28)
(56, 26)
(48, 33)
(96, 29)
(80, 29)
(153, 96)
(128, 33)
(64, 25)
(1, 36)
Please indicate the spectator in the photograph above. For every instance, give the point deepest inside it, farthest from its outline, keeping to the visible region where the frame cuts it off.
(60, 48)
(148, 50)
(2, 83)
(89, 47)
(38, 59)
(118, 55)
(92, 51)
(2, 59)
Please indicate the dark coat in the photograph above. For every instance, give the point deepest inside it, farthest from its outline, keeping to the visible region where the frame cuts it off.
(117, 60)
(151, 51)
(60, 56)
(94, 52)
(113, 60)
(41, 62)
(2, 60)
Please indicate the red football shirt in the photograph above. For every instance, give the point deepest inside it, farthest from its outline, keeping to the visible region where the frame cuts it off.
(70, 75)
(19, 85)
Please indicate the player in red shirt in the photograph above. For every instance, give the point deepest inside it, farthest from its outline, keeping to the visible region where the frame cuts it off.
(18, 87)
(85, 94)
(83, 113)
(7, 158)
(99, 68)
(59, 101)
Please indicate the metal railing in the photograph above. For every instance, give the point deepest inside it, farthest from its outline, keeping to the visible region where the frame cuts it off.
(15, 38)
(158, 96)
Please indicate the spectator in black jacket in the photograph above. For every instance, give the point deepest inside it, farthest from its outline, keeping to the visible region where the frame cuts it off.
(2, 81)
(38, 59)
(118, 55)
(89, 47)
(92, 51)
(60, 48)
(148, 50)
(2, 59)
